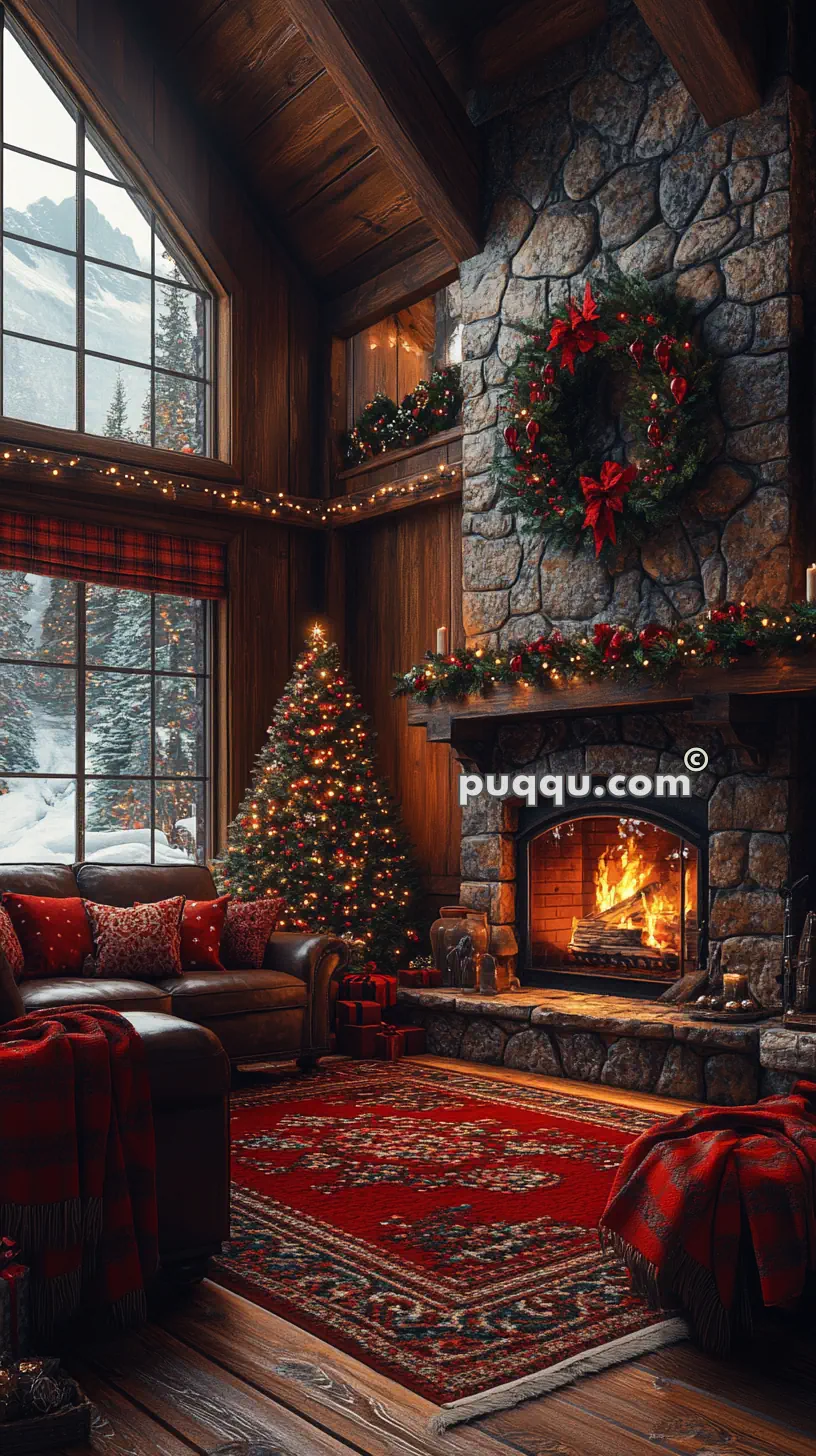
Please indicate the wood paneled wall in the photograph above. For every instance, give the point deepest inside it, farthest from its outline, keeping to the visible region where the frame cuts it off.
(391, 584)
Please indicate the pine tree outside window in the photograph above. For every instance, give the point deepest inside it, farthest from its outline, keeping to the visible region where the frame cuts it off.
(104, 709)
(107, 328)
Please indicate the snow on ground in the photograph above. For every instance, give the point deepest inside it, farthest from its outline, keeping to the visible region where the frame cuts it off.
(38, 826)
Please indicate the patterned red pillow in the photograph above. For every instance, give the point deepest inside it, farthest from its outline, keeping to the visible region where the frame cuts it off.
(248, 927)
(139, 942)
(10, 946)
(202, 925)
(53, 934)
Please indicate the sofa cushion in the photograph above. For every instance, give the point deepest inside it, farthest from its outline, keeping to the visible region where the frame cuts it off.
(202, 925)
(206, 995)
(247, 929)
(51, 991)
(117, 884)
(11, 1002)
(56, 880)
(10, 946)
(53, 932)
(137, 942)
(186, 1063)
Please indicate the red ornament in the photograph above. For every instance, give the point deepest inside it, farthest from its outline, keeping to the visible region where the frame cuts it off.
(652, 633)
(662, 352)
(604, 497)
(654, 434)
(536, 394)
(636, 350)
(578, 333)
(516, 664)
(533, 431)
(511, 437)
(548, 374)
(679, 388)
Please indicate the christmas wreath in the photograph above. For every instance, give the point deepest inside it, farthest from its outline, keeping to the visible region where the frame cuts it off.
(604, 417)
(385, 425)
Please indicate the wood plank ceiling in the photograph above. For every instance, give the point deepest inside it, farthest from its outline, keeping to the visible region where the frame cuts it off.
(355, 141)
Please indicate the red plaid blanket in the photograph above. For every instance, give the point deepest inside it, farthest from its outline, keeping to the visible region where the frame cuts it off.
(694, 1196)
(77, 1162)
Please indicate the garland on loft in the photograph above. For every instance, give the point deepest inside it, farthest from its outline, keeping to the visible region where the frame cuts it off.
(726, 636)
(385, 425)
(619, 376)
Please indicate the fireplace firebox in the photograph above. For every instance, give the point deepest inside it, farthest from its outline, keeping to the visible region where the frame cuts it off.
(614, 896)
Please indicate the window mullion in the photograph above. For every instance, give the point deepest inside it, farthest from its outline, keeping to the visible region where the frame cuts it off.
(152, 728)
(2, 205)
(80, 272)
(81, 697)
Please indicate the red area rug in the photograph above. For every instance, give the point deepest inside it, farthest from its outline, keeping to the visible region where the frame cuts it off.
(441, 1227)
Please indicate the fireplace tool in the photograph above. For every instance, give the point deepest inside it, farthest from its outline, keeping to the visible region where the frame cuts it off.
(787, 977)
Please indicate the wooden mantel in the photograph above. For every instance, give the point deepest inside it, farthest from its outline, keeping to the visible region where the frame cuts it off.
(737, 701)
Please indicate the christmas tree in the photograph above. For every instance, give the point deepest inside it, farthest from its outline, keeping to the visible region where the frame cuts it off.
(116, 421)
(316, 826)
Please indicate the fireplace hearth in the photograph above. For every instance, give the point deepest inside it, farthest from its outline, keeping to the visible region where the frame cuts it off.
(613, 894)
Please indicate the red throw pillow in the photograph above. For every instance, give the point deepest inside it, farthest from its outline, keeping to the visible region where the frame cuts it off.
(53, 934)
(139, 942)
(202, 925)
(248, 927)
(10, 946)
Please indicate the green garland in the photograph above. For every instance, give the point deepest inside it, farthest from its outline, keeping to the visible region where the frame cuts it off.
(725, 636)
(630, 357)
(385, 425)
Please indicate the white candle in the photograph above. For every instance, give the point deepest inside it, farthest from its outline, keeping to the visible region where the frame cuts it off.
(811, 583)
(442, 632)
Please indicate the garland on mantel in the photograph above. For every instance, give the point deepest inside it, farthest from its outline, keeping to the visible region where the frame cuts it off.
(726, 636)
(605, 416)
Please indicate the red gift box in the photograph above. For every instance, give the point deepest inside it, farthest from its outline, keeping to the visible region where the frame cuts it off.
(373, 987)
(420, 976)
(414, 1038)
(358, 1013)
(359, 1041)
(15, 1308)
(389, 1043)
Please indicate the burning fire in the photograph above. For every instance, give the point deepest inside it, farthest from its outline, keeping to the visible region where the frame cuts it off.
(627, 878)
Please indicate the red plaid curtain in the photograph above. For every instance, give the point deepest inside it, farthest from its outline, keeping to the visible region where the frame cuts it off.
(112, 555)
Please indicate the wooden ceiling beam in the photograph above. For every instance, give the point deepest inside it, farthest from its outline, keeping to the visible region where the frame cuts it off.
(378, 61)
(524, 32)
(715, 48)
(395, 288)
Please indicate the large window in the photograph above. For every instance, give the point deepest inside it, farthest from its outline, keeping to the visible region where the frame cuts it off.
(103, 723)
(106, 327)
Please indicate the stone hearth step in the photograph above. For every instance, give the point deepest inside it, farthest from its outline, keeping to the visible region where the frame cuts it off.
(639, 1046)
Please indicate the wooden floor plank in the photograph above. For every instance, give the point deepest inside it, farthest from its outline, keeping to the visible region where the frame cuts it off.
(680, 1418)
(553, 1426)
(198, 1402)
(120, 1428)
(301, 1371)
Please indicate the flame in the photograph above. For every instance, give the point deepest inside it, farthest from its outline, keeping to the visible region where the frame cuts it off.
(624, 873)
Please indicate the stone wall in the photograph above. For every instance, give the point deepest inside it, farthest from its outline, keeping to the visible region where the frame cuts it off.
(751, 818)
(612, 160)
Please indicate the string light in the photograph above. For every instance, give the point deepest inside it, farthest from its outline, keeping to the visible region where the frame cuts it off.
(319, 513)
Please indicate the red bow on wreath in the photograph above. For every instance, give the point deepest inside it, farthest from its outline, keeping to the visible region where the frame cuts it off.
(604, 497)
(580, 334)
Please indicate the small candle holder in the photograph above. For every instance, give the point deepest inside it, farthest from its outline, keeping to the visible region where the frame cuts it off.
(736, 1003)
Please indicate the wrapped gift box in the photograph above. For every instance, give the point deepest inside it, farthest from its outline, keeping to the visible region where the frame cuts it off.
(370, 987)
(414, 1038)
(358, 1041)
(358, 1013)
(389, 1044)
(420, 976)
(15, 1305)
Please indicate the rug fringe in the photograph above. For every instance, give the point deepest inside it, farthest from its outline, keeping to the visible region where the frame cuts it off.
(542, 1382)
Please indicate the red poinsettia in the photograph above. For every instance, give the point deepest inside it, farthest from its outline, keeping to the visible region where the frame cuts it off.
(610, 640)
(604, 497)
(579, 333)
(652, 633)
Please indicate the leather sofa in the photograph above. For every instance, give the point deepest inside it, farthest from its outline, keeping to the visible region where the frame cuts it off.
(284, 1010)
(189, 1085)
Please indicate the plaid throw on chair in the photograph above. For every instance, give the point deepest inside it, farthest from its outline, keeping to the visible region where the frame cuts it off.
(699, 1200)
(77, 1162)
